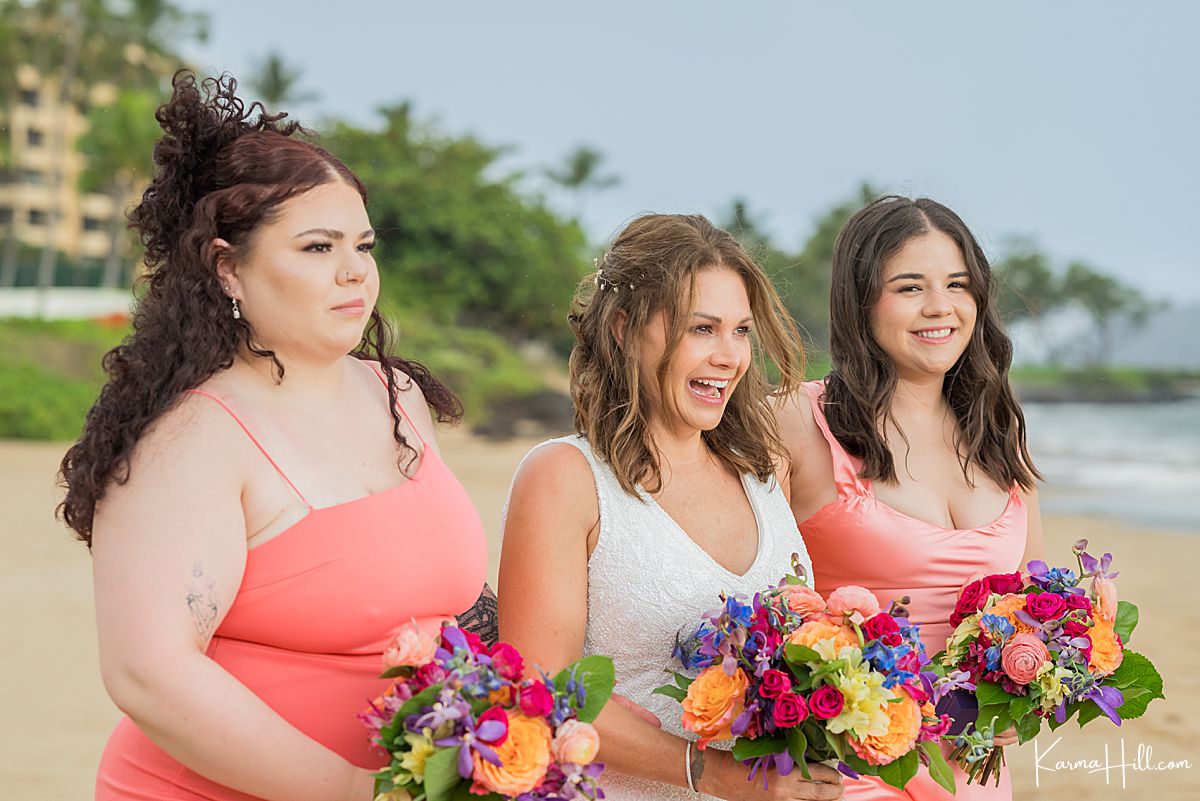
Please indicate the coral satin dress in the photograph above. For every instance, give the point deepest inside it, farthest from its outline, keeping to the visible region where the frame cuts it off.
(316, 607)
(857, 539)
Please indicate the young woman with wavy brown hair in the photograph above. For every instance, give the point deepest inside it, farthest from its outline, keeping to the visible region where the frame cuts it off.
(672, 490)
(258, 481)
(910, 471)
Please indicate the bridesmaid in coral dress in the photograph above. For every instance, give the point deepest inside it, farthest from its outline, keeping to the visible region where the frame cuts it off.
(910, 473)
(258, 481)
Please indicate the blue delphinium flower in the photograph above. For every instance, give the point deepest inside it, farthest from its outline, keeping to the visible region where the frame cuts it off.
(1052, 579)
(999, 630)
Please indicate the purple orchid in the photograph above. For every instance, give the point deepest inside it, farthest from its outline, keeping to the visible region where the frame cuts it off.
(1109, 699)
(1097, 567)
(447, 708)
(474, 738)
(954, 680)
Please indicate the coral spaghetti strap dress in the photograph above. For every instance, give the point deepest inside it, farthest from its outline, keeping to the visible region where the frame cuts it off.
(857, 539)
(316, 607)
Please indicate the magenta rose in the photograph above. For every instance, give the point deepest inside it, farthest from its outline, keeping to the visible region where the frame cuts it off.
(500, 716)
(1045, 606)
(1023, 657)
(1074, 628)
(1006, 583)
(790, 710)
(1079, 602)
(428, 674)
(883, 627)
(775, 683)
(826, 702)
(507, 661)
(970, 601)
(536, 700)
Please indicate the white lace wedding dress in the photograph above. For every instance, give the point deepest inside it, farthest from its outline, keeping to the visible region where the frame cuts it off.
(649, 582)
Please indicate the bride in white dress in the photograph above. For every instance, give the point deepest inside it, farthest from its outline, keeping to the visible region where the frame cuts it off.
(617, 539)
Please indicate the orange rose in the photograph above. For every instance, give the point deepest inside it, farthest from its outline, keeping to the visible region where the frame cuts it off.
(524, 757)
(814, 631)
(802, 600)
(714, 701)
(1107, 651)
(1007, 607)
(904, 725)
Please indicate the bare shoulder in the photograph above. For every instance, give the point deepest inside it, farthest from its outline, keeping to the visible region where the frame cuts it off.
(794, 413)
(412, 400)
(556, 469)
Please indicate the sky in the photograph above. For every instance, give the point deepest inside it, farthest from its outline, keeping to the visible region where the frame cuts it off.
(1075, 123)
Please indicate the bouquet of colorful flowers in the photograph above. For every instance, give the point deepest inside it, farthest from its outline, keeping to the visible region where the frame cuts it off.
(1040, 647)
(797, 679)
(464, 719)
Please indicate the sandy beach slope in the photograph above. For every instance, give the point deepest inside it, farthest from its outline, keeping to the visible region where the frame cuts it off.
(56, 714)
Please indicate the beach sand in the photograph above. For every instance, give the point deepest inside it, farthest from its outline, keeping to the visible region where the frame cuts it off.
(56, 715)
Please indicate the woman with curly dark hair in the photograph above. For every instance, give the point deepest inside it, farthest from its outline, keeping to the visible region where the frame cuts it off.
(257, 539)
(910, 473)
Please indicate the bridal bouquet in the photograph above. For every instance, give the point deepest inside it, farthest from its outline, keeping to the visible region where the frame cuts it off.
(797, 679)
(463, 719)
(1041, 647)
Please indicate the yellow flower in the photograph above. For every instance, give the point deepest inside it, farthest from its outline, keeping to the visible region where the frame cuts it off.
(963, 634)
(421, 748)
(1049, 680)
(395, 794)
(865, 697)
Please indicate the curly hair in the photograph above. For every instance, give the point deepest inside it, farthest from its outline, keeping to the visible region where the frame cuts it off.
(651, 267)
(859, 389)
(223, 170)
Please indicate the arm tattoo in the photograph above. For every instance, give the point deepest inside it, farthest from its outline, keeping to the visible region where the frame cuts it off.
(697, 767)
(201, 602)
(483, 617)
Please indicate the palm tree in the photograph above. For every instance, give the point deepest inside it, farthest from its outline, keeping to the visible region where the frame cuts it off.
(277, 83)
(579, 174)
(118, 147)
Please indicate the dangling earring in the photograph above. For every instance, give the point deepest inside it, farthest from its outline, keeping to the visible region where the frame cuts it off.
(237, 312)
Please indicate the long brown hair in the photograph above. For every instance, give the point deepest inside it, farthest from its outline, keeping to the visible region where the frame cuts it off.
(859, 389)
(652, 266)
(223, 170)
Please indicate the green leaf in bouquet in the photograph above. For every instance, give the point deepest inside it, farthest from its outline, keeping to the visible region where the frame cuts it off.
(682, 681)
(939, 769)
(597, 676)
(836, 744)
(441, 774)
(795, 653)
(996, 712)
(988, 693)
(1136, 671)
(398, 670)
(1070, 713)
(1021, 707)
(898, 772)
(797, 745)
(1137, 699)
(671, 691)
(462, 792)
(744, 748)
(860, 765)
(1028, 727)
(413, 705)
(1126, 622)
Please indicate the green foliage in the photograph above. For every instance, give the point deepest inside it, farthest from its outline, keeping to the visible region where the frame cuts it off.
(744, 748)
(1135, 673)
(1126, 622)
(678, 690)
(598, 676)
(939, 770)
(441, 774)
(277, 83)
(455, 242)
(899, 771)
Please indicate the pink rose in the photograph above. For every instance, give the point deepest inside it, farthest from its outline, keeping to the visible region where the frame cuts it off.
(500, 716)
(536, 700)
(411, 647)
(883, 627)
(1078, 602)
(428, 674)
(826, 702)
(775, 683)
(1045, 606)
(1105, 592)
(970, 601)
(790, 710)
(1023, 657)
(576, 742)
(802, 600)
(853, 599)
(1006, 583)
(507, 661)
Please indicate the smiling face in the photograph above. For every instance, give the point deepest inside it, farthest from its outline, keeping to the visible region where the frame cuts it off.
(925, 315)
(307, 281)
(709, 360)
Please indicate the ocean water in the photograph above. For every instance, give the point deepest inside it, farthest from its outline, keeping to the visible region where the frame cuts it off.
(1136, 462)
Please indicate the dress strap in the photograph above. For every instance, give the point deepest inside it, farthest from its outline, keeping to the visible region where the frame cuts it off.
(845, 466)
(253, 439)
(400, 406)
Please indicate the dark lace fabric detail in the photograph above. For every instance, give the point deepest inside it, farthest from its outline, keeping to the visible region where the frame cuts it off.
(483, 618)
